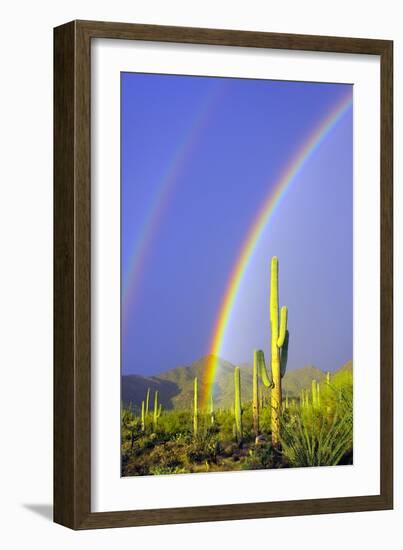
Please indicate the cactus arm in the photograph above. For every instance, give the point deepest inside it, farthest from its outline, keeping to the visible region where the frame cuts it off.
(284, 354)
(283, 326)
(263, 371)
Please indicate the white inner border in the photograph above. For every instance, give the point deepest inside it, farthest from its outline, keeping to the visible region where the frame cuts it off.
(110, 491)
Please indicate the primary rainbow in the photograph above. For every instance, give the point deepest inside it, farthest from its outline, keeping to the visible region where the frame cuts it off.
(164, 191)
(273, 198)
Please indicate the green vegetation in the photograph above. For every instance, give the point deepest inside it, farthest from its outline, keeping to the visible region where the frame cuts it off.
(311, 434)
(322, 434)
(302, 418)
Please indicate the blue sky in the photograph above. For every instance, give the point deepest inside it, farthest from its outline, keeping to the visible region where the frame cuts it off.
(210, 150)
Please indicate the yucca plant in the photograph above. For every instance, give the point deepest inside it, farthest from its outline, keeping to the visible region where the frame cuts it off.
(312, 438)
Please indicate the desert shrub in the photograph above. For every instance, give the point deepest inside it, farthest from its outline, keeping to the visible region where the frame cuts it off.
(168, 455)
(224, 419)
(175, 422)
(265, 419)
(320, 436)
(260, 457)
(204, 447)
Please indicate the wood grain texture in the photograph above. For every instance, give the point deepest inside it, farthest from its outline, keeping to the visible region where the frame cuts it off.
(72, 296)
(64, 382)
(386, 359)
(72, 274)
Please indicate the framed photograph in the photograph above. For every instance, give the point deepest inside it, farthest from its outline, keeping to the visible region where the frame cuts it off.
(223, 318)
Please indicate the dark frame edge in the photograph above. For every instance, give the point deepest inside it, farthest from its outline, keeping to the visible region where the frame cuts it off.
(72, 255)
(264, 510)
(386, 258)
(63, 277)
(72, 215)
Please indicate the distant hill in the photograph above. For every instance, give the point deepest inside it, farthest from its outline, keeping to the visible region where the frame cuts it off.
(347, 367)
(299, 379)
(175, 386)
(134, 389)
(344, 375)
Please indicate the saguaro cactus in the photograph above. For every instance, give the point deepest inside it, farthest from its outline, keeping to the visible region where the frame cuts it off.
(259, 369)
(147, 401)
(195, 411)
(279, 355)
(315, 394)
(255, 393)
(238, 404)
(212, 419)
(143, 417)
(157, 410)
(279, 350)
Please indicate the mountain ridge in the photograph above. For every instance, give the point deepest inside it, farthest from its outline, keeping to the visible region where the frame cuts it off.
(175, 386)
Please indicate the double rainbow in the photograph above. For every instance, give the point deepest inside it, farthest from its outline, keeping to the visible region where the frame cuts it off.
(163, 194)
(307, 149)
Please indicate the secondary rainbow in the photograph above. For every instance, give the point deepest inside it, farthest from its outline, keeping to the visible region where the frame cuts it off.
(272, 200)
(162, 196)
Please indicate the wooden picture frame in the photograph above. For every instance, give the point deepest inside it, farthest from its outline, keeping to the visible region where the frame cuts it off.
(72, 270)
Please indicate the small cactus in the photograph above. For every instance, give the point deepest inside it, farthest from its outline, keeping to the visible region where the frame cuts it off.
(212, 418)
(314, 394)
(143, 417)
(238, 404)
(195, 409)
(304, 399)
(147, 401)
(255, 393)
(157, 410)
